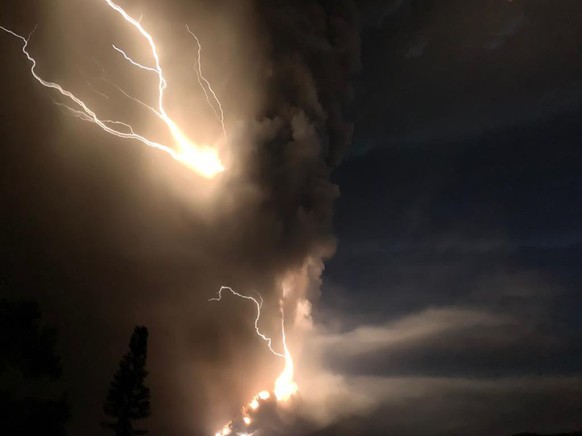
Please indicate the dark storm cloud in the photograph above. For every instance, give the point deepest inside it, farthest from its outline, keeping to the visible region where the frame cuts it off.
(459, 227)
(464, 231)
(312, 52)
(426, 70)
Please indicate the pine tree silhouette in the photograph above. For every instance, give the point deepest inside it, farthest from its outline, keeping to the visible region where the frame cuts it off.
(128, 398)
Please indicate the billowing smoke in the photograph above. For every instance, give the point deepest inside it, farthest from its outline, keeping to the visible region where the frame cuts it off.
(300, 133)
(311, 52)
(121, 238)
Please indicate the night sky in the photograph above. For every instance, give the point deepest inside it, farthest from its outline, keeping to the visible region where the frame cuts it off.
(428, 151)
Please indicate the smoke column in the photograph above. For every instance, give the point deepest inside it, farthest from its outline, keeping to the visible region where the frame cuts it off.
(132, 239)
(311, 52)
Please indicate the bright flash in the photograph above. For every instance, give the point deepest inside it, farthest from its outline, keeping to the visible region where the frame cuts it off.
(285, 387)
(200, 158)
(225, 431)
(247, 420)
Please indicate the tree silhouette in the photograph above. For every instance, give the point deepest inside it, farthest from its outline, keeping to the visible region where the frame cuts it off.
(128, 398)
(27, 361)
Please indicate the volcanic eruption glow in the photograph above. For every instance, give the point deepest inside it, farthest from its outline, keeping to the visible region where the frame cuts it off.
(285, 387)
(202, 159)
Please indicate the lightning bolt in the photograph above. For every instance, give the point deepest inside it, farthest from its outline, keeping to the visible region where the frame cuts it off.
(134, 63)
(259, 305)
(220, 113)
(97, 91)
(202, 159)
(285, 387)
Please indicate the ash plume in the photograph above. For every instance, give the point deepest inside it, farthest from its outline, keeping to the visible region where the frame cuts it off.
(311, 53)
(301, 131)
(121, 239)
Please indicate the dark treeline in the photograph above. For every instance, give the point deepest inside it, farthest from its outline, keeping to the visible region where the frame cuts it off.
(128, 398)
(32, 401)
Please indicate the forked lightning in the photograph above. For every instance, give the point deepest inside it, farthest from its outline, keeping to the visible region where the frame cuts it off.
(202, 159)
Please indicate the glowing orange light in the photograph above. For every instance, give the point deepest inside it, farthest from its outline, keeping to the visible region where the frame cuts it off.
(285, 386)
(254, 404)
